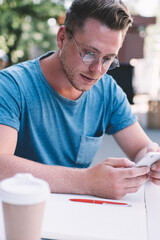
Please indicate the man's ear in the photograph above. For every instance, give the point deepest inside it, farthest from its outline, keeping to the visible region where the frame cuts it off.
(61, 36)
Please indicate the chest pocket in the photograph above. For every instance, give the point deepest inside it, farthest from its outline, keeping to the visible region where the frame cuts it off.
(88, 149)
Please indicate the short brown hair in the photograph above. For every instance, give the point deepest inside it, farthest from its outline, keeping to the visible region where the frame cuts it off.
(112, 13)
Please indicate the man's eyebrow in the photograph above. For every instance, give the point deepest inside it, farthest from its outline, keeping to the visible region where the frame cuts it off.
(98, 51)
(111, 55)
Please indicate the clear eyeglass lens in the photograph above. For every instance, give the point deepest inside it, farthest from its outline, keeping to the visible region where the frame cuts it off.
(114, 64)
(90, 58)
(93, 58)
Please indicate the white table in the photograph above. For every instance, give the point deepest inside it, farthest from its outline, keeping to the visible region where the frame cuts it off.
(152, 199)
(66, 220)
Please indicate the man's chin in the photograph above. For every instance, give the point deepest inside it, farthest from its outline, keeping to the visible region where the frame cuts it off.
(84, 89)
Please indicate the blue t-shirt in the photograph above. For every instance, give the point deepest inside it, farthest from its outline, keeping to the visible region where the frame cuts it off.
(53, 129)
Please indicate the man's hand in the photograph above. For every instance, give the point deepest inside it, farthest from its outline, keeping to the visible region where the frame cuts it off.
(154, 174)
(115, 177)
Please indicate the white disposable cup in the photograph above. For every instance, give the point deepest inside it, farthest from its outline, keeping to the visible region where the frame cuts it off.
(23, 200)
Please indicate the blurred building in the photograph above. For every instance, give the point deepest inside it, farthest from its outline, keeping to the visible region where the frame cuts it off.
(133, 48)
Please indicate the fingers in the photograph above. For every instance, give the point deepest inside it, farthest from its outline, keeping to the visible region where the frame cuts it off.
(120, 185)
(133, 189)
(122, 192)
(135, 182)
(155, 181)
(125, 167)
(153, 147)
(154, 174)
(134, 172)
(119, 162)
(114, 178)
(156, 166)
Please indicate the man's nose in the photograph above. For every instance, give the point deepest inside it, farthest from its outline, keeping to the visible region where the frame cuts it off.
(96, 67)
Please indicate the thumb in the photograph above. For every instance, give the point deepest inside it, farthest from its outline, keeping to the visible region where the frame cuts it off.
(119, 162)
(153, 147)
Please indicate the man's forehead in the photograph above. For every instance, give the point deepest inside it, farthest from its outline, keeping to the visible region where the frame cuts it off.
(98, 35)
(92, 23)
(93, 27)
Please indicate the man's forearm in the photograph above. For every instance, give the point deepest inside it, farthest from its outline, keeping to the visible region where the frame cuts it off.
(112, 178)
(61, 179)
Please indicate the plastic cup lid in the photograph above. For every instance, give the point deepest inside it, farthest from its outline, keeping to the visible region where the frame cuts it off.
(23, 189)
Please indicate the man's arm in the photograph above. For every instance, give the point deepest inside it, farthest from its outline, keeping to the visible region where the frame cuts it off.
(112, 178)
(134, 142)
(60, 179)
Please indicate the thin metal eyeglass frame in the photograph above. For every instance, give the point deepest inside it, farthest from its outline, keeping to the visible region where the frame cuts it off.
(117, 62)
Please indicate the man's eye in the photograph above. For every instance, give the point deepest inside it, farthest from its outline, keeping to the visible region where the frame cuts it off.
(108, 59)
(89, 53)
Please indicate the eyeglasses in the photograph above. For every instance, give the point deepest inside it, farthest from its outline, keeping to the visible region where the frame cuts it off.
(91, 58)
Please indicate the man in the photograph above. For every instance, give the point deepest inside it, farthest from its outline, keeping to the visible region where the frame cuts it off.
(55, 109)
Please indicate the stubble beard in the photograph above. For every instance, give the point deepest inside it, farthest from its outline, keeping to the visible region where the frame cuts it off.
(69, 73)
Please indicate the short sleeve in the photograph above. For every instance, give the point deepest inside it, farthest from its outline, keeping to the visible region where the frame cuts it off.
(121, 114)
(10, 101)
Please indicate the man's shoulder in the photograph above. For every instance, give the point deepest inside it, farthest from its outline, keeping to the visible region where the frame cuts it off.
(24, 68)
(15, 70)
(19, 72)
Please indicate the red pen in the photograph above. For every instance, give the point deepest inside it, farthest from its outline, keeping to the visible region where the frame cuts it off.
(98, 201)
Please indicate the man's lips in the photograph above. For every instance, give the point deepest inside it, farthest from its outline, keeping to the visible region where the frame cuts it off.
(86, 78)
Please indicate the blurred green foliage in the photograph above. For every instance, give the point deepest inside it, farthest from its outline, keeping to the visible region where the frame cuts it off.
(24, 28)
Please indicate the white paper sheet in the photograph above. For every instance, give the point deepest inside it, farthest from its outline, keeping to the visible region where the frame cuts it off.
(84, 221)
